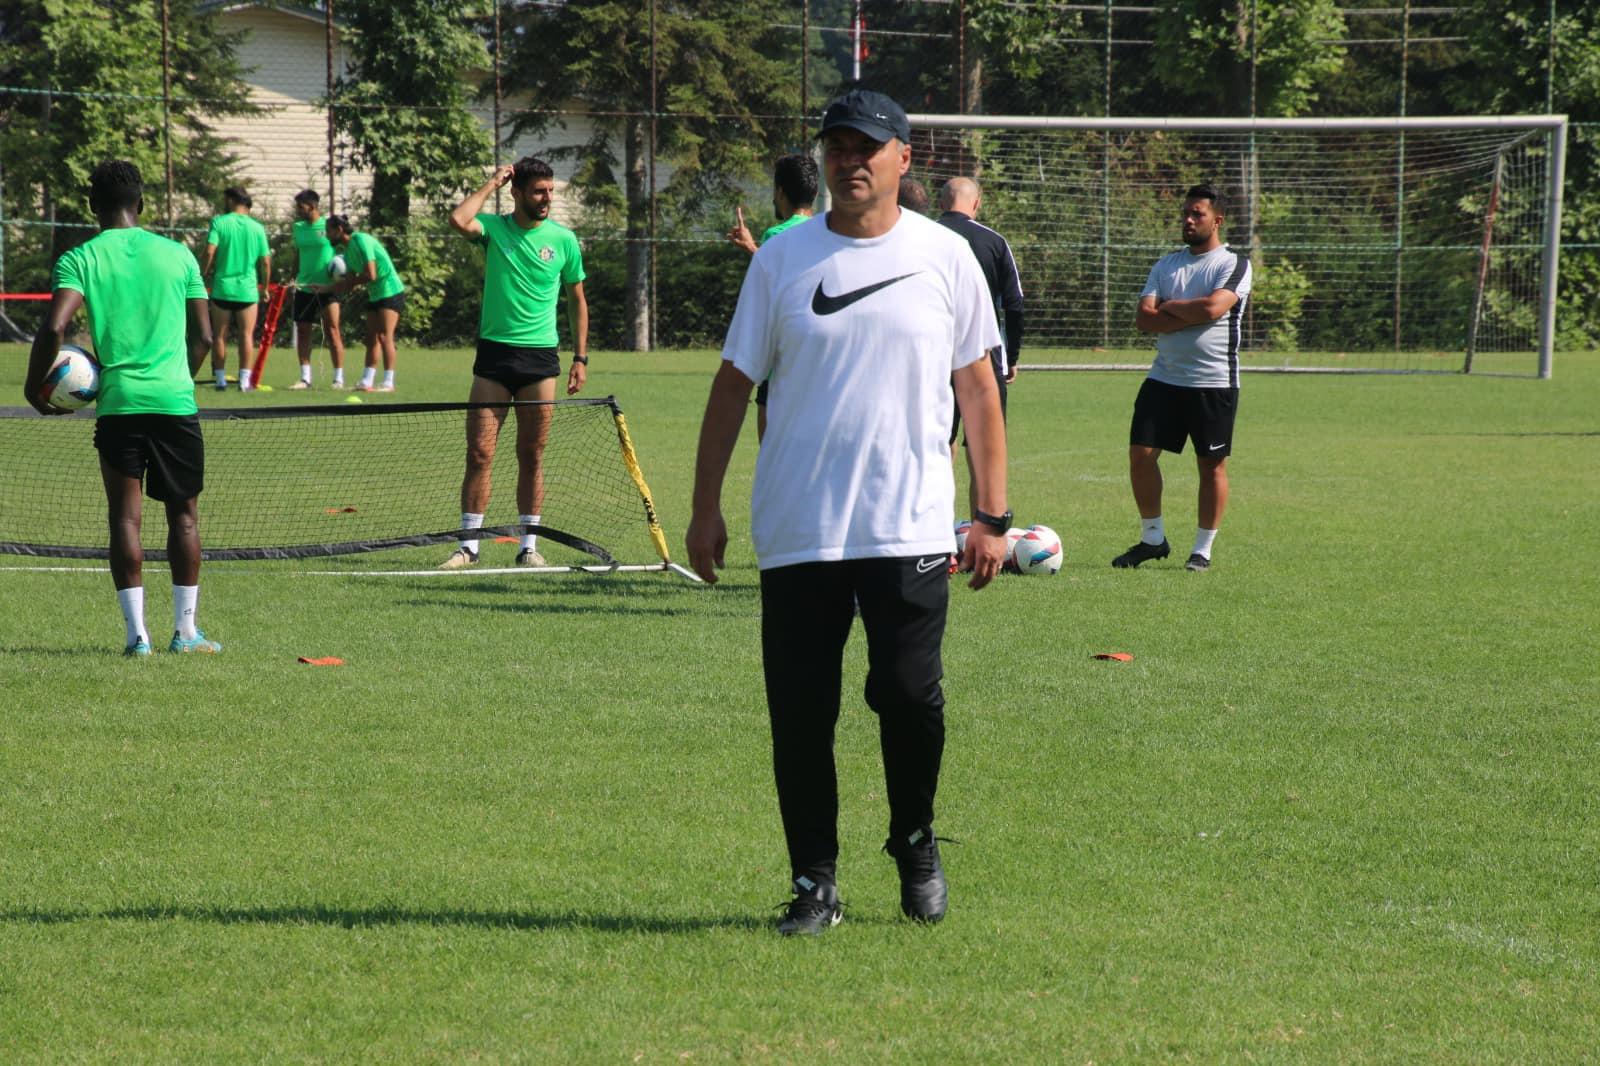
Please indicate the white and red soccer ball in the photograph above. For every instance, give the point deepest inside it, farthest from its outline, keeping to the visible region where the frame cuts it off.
(1037, 550)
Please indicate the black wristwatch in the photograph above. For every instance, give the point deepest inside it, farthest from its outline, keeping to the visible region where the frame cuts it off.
(584, 359)
(1000, 522)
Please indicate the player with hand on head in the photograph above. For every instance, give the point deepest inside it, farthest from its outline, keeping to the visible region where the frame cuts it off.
(1193, 301)
(369, 264)
(529, 260)
(794, 196)
(860, 320)
(148, 319)
(239, 264)
(313, 300)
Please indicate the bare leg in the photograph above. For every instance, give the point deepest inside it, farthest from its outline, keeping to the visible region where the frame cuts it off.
(247, 336)
(219, 337)
(125, 509)
(1144, 471)
(1213, 490)
(183, 541)
(330, 330)
(483, 434)
(533, 430)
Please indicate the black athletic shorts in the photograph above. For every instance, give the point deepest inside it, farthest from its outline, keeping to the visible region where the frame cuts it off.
(1164, 416)
(514, 365)
(166, 452)
(231, 305)
(395, 303)
(997, 359)
(308, 305)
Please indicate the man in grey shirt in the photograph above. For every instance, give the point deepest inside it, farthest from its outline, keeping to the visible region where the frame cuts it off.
(1193, 301)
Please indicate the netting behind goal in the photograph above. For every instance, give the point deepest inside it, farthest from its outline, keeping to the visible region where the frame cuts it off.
(305, 482)
(1376, 245)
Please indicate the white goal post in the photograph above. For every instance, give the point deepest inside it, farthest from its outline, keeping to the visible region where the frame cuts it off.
(1407, 245)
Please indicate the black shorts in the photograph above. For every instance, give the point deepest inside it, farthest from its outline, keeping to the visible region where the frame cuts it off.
(308, 305)
(513, 365)
(166, 452)
(997, 360)
(395, 303)
(231, 305)
(1164, 416)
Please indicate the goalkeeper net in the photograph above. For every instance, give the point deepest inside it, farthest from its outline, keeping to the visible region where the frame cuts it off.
(304, 482)
(1376, 244)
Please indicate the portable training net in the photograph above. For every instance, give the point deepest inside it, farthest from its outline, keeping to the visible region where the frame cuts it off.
(305, 482)
(1376, 244)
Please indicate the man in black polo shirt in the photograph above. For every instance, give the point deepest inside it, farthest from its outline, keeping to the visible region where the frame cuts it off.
(958, 202)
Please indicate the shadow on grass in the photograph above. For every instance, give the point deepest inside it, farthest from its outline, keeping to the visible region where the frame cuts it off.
(603, 595)
(375, 917)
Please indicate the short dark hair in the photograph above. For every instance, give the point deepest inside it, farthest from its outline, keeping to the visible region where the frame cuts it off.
(308, 196)
(529, 169)
(236, 194)
(796, 177)
(115, 184)
(1206, 191)
(913, 195)
(338, 222)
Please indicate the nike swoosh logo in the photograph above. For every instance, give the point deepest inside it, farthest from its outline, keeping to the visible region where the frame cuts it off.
(928, 566)
(1214, 447)
(823, 304)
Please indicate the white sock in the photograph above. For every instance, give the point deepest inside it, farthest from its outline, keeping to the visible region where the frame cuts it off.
(132, 603)
(388, 377)
(368, 375)
(529, 540)
(305, 373)
(244, 379)
(338, 376)
(471, 521)
(185, 598)
(1154, 532)
(1202, 541)
(222, 378)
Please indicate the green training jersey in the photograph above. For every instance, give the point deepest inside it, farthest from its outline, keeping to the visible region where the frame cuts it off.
(136, 286)
(311, 242)
(363, 249)
(240, 241)
(524, 270)
(788, 223)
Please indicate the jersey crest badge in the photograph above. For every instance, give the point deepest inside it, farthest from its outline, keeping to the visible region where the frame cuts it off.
(547, 253)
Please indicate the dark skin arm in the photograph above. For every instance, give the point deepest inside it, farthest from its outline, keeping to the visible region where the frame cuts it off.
(64, 303)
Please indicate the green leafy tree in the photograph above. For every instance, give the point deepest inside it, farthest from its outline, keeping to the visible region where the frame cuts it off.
(403, 112)
(87, 86)
(728, 88)
(1205, 50)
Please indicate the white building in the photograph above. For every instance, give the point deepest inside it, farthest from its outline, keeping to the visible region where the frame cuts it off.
(284, 54)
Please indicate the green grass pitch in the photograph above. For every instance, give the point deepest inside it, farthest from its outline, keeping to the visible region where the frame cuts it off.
(1340, 807)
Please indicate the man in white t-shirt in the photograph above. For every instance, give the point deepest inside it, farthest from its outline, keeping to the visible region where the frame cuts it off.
(1194, 302)
(860, 323)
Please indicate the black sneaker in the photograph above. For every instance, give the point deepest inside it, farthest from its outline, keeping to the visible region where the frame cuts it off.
(924, 896)
(815, 907)
(1198, 563)
(1141, 553)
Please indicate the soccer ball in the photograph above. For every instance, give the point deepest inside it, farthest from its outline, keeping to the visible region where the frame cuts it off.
(1008, 563)
(1037, 551)
(73, 380)
(963, 527)
(337, 267)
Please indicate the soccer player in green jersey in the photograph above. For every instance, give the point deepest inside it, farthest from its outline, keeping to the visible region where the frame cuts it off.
(529, 259)
(312, 255)
(239, 265)
(794, 194)
(369, 264)
(147, 316)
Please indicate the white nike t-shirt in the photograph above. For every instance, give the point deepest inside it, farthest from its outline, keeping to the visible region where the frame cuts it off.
(860, 338)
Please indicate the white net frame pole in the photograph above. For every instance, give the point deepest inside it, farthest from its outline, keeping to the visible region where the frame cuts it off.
(1524, 309)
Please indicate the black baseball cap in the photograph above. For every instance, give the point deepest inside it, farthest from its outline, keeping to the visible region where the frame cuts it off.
(872, 113)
